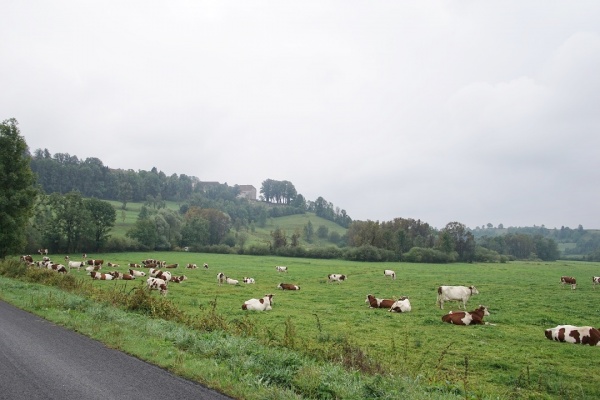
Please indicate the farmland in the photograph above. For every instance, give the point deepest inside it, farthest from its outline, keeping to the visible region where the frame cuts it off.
(511, 358)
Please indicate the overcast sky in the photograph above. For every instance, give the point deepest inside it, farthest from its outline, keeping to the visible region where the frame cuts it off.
(468, 111)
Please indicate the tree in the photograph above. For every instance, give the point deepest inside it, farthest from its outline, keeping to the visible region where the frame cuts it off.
(309, 231)
(17, 197)
(279, 238)
(71, 219)
(103, 216)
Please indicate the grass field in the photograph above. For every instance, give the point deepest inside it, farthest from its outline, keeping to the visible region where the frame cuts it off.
(511, 359)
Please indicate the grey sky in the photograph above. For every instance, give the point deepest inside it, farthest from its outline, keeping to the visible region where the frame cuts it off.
(442, 111)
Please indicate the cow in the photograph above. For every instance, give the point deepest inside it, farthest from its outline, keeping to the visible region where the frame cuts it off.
(288, 286)
(401, 305)
(595, 281)
(389, 272)
(178, 279)
(76, 264)
(374, 302)
(280, 268)
(205, 266)
(134, 265)
(27, 259)
(43, 252)
(116, 274)
(220, 278)
(93, 268)
(231, 281)
(455, 293)
(171, 265)
(474, 317)
(159, 273)
(248, 280)
(113, 265)
(95, 262)
(150, 265)
(191, 266)
(57, 267)
(136, 273)
(336, 277)
(568, 280)
(157, 284)
(264, 304)
(574, 334)
(99, 276)
(127, 277)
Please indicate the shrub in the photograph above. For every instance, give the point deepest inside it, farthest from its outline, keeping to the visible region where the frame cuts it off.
(424, 255)
(329, 252)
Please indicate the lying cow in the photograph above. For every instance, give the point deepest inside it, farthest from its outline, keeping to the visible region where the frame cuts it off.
(336, 277)
(113, 265)
(390, 273)
(230, 281)
(474, 317)
(57, 267)
(160, 274)
(248, 280)
(568, 280)
(134, 265)
(280, 268)
(455, 293)
(99, 276)
(374, 302)
(136, 273)
(595, 281)
(264, 304)
(172, 266)
(93, 268)
(27, 259)
(191, 266)
(157, 284)
(178, 279)
(401, 305)
(574, 334)
(288, 286)
(95, 262)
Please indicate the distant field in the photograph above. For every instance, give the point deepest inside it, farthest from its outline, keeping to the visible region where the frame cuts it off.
(510, 359)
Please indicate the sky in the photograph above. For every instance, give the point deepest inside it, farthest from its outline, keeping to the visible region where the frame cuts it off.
(443, 111)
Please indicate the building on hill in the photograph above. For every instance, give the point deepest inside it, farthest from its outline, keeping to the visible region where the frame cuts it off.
(247, 192)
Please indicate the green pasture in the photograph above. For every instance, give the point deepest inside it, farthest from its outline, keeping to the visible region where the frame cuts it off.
(504, 359)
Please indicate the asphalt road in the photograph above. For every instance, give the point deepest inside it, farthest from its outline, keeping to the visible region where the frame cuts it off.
(40, 360)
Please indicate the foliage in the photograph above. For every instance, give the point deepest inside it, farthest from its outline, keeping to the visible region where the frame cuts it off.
(17, 196)
(103, 217)
(424, 255)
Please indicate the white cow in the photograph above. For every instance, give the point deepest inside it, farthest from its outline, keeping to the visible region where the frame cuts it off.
(264, 304)
(231, 281)
(134, 272)
(402, 305)
(389, 272)
(76, 264)
(248, 280)
(336, 277)
(455, 293)
(280, 268)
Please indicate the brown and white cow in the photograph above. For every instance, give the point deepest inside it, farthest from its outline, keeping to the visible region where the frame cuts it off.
(93, 268)
(28, 259)
(171, 265)
(157, 284)
(57, 267)
(336, 277)
(474, 317)
(99, 276)
(264, 304)
(191, 266)
(401, 305)
(43, 252)
(288, 286)
(375, 302)
(390, 273)
(159, 273)
(136, 273)
(574, 334)
(113, 265)
(281, 268)
(95, 262)
(568, 280)
(205, 266)
(134, 265)
(248, 280)
(178, 279)
(220, 278)
(455, 293)
(595, 281)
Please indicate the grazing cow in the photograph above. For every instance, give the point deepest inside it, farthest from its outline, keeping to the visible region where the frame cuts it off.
(455, 293)
(191, 266)
(220, 278)
(280, 268)
(95, 262)
(401, 305)
(231, 281)
(137, 273)
(99, 276)
(172, 266)
(389, 272)
(93, 268)
(27, 259)
(113, 265)
(595, 281)
(264, 304)
(248, 280)
(76, 264)
(288, 286)
(134, 265)
(178, 279)
(568, 280)
(374, 302)
(474, 317)
(57, 267)
(574, 334)
(336, 277)
(157, 284)
(43, 252)
(205, 266)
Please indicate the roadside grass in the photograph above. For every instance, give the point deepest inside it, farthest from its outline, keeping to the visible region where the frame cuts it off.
(330, 324)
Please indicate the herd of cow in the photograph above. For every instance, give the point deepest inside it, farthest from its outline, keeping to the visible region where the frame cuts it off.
(159, 279)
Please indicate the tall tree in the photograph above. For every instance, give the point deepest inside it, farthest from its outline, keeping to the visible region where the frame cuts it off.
(71, 219)
(17, 196)
(103, 219)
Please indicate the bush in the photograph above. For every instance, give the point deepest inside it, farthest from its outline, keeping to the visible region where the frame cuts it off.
(257, 250)
(425, 255)
(329, 252)
(122, 244)
(369, 253)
